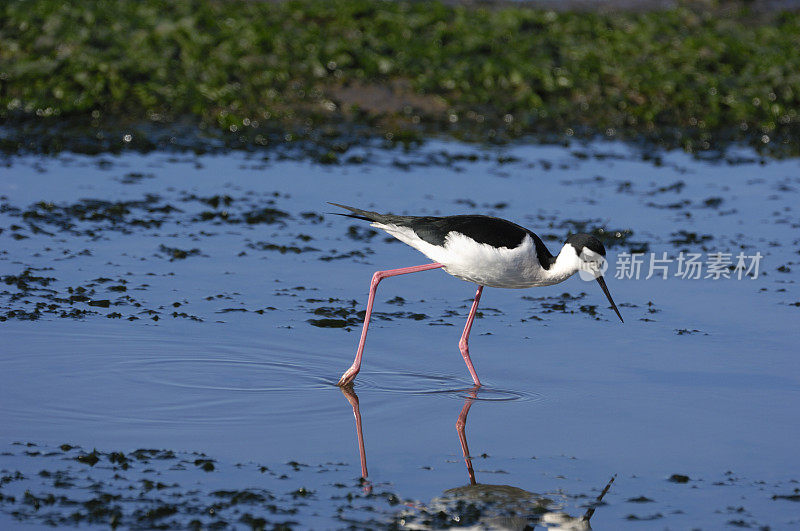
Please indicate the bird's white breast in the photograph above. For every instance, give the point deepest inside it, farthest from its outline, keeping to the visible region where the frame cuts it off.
(481, 263)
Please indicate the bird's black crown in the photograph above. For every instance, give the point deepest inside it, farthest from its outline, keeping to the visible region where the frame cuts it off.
(581, 241)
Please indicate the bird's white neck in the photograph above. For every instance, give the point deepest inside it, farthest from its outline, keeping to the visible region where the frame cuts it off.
(567, 264)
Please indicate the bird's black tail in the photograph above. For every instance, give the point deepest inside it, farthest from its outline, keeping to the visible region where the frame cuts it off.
(388, 219)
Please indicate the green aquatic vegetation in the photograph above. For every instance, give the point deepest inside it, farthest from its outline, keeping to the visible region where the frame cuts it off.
(205, 464)
(678, 478)
(90, 459)
(267, 72)
(24, 280)
(177, 254)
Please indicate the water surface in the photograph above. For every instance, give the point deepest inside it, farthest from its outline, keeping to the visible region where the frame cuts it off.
(210, 303)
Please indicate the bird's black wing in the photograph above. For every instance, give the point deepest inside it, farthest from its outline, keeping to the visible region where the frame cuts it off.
(493, 231)
(483, 229)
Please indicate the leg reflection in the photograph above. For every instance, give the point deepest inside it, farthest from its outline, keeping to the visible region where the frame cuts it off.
(461, 425)
(351, 397)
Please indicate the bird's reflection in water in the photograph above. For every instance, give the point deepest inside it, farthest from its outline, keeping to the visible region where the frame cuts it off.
(478, 504)
(352, 397)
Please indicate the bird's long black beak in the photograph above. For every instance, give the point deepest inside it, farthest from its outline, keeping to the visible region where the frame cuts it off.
(605, 290)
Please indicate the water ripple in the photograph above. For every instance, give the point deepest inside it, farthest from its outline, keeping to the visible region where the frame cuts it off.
(238, 375)
(412, 383)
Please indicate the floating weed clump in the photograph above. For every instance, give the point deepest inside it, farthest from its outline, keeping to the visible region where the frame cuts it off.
(177, 254)
(684, 238)
(273, 73)
(159, 489)
(165, 489)
(28, 294)
(283, 249)
(564, 303)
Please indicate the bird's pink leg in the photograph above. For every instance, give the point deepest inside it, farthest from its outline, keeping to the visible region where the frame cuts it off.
(463, 345)
(350, 374)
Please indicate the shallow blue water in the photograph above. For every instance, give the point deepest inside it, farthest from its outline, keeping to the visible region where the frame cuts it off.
(571, 399)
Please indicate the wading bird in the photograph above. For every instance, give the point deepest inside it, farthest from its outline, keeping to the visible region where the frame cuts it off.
(485, 250)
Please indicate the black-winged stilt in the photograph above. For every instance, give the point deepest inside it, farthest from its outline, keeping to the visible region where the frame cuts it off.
(482, 249)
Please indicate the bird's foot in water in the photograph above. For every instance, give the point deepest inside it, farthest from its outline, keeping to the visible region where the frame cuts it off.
(348, 377)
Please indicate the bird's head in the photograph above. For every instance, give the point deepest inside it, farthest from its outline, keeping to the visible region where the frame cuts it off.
(591, 261)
